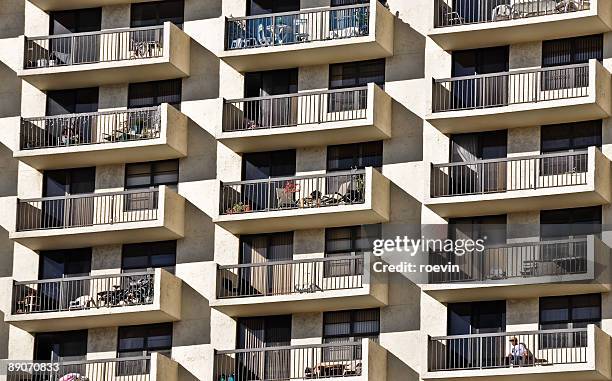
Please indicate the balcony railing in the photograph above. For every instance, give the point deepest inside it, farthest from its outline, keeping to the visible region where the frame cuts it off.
(297, 192)
(492, 350)
(297, 27)
(509, 174)
(485, 11)
(297, 362)
(510, 88)
(511, 261)
(90, 128)
(295, 109)
(83, 293)
(128, 368)
(83, 210)
(290, 277)
(94, 47)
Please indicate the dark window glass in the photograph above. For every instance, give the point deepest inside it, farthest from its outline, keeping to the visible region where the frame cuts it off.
(571, 136)
(354, 156)
(263, 165)
(151, 174)
(348, 327)
(266, 113)
(66, 346)
(273, 82)
(64, 263)
(262, 7)
(139, 341)
(349, 241)
(476, 317)
(480, 61)
(569, 51)
(60, 102)
(356, 74)
(149, 94)
(157, 13)
(143, 256)
(568, 312)
(75, 21)
(564, 223)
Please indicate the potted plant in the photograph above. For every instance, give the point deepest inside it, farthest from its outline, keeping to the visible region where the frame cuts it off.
(239, 207)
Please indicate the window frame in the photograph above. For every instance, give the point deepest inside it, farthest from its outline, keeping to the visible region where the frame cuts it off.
(156, 5)
(147, 249)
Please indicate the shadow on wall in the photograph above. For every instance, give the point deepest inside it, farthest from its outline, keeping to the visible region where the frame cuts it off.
(408, 61)
(399, 370)
(4, 337)
(198, 246)
(407, 132)
(201, 164)
(195, 317)
(8, 172)
(202, 9)
(10, 92)
(6, 257)
(203, 81)
(12, 18)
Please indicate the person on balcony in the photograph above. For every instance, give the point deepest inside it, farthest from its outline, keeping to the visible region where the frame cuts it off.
(518, 352)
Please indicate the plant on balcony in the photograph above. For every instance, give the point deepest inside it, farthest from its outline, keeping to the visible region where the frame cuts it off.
(291, 187)
(239, 207)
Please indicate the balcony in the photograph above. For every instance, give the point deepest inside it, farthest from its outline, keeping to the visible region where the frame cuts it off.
(547, 181)
(304, 202)
(523, 270)
(154, 367)
(307, 119)
(106, 57)
(483, 23)
(363, 360)
(110, 137)
(85, 220)
(96, 301)
(304, 285)
(309, 37)
(565, 354)
(522, 98)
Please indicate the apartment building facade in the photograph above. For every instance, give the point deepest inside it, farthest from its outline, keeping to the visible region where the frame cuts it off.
(191, 189)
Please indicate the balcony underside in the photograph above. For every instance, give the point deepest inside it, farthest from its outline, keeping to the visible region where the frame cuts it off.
(521, 115)
(304, 136)
(106, 73)
(131, 232)
(518, 201)
(99, 154)
(57, 5)
(569, 372)
(307, 302)
(521, 289)
(306, 54)
(94, 318)
(523, 30)
(299, 219)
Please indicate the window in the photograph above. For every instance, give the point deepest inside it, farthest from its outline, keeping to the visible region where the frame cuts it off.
(476, 317)
(157, 13)
(143, 256)
(266, 113)
(356, 74)
(139, 341)
(569, 51)
(354, 156)
(568, 137)
(349, 241)
(564, 223)
(64, 51)
(264, 165)
(65, 346)
(151, 174)
(349, 327)
(568, 312)
(75, 21)
(150, 94)
(263, 7)
(60, 102)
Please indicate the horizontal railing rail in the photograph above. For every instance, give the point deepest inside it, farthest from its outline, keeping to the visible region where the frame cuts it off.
(516, 260)
(509, 174)
(510, 88)
(296, 192)
(94, 47)
(128, 368)
(494, 350)
(295, 109)
(290, 277)
(90, 128)
(300, 27)
(290, 362)
(467, 12)
(90, 209)
(83, 293)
